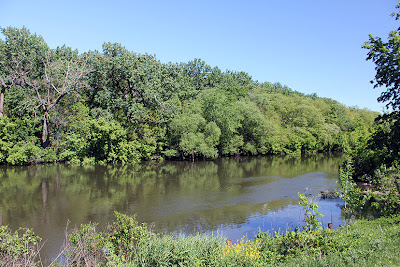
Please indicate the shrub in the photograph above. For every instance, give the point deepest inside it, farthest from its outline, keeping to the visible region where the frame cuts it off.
(23, 153)
(124, 235)
(383, 197)
(310, 213)
(20, 248)
(85, 246)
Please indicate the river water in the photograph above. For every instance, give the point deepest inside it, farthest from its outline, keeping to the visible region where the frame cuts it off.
(233, 196)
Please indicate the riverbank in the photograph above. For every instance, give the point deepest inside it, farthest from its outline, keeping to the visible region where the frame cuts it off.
(363, 243)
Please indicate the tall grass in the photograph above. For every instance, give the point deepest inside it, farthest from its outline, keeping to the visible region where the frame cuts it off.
(183, 250)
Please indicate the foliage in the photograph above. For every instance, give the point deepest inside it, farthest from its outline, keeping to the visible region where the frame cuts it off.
(17, 145)
(364, 243)
(194, 136)
(20, 248)
(117, 106)
(355, 200)
(381, 198)
(118, 243)
(85, 247)
(22, 153)
(243, 253)
(125, 234)
(44, 75)
(385, 199)
(310, 213)
(376, 154)
(98, 139)
(385, 55)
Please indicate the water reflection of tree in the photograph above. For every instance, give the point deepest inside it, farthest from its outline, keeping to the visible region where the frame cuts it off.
(45, 195)
(85, 193)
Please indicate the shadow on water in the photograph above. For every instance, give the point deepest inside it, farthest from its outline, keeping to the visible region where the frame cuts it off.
(236, 196)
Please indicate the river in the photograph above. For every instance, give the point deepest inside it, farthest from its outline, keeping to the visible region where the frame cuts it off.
(233, 196)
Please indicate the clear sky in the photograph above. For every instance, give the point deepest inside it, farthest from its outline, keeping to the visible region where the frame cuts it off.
(312, 46)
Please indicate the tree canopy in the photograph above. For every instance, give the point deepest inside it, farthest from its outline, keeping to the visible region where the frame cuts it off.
(116, 105)
(386, 56)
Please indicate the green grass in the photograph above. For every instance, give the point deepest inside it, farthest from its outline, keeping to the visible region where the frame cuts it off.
(366, 243)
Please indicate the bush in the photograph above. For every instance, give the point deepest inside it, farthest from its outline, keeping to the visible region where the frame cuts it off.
(310, 214)
(385, 198)
(20, 248)
(124, 235)
(85, 246)
(49, 155)
(118, 243)
(23, 153)
(381, 199)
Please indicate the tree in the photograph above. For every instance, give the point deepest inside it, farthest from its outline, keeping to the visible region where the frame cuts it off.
(386, 56)
(193, 136)
(63, 72)
(50, 74)
(198, 72)
(384, 147)
(126, 83)
(20, 54)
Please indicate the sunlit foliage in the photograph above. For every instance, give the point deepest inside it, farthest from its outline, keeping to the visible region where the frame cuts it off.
(115, 106)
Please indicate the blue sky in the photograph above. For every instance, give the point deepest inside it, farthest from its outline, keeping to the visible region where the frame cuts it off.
(313, 46)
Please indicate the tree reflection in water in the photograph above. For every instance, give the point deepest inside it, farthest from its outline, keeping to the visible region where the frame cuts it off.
(224, 194)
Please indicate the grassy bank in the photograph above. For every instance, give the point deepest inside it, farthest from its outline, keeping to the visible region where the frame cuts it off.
(125, 242)
(364, 243)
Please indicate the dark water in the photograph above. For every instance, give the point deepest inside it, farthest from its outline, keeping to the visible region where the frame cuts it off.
(235, 196)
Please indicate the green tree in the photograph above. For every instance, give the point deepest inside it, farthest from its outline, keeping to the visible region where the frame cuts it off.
(50, 74)
(20, 54)
(216, 107)
(386, 56)
(193, 136)
(63, 73)
(384, 147)
(198, 71)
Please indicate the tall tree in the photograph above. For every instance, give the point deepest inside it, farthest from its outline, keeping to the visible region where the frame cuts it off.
(50, 74)
(384, 145)
(386, 56)
(63, 72)
(124, 82)
(20, 55)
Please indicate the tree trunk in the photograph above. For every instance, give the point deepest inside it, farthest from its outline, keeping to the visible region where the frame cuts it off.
(45, 134)
(3, 90)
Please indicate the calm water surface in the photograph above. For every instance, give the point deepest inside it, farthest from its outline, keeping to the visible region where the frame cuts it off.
(235, 196)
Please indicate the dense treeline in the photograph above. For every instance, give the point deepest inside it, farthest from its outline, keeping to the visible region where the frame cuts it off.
(119, 106)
